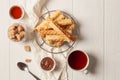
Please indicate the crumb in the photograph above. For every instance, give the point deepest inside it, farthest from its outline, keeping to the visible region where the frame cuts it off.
(28, 60)
(27, 48)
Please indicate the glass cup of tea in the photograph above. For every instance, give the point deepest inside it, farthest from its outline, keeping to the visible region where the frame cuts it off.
(78, 60)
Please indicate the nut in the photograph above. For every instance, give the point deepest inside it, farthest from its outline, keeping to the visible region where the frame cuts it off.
(28, 60)
(16, 32)
(27, 48)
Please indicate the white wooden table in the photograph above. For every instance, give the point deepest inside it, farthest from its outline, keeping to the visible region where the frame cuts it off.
(99, 33)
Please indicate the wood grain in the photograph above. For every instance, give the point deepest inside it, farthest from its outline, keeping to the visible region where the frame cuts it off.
(99, 36)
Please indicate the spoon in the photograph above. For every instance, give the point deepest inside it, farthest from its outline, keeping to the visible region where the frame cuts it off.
(22, 66)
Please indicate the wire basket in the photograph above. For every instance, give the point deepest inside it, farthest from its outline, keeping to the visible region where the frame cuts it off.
(51, 49)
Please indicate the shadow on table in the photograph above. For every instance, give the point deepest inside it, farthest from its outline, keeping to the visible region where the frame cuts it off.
(78, 29)
(57, 68)
(93, 64)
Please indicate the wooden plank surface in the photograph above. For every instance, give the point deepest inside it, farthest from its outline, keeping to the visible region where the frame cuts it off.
(112, 40)
(98, 22)
(89, 14)
(4, 41)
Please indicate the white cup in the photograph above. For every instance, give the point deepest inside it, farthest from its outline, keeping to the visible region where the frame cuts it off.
(84, 69)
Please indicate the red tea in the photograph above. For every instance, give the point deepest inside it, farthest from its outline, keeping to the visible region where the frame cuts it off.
(77, 60)
(16, 12)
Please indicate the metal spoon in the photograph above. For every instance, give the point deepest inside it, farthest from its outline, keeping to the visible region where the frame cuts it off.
(22, 66)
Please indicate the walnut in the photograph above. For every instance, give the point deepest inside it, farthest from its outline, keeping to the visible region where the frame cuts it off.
(16, 32)
(28, 60)
(20, 28)
(27, 48)
(18, 37)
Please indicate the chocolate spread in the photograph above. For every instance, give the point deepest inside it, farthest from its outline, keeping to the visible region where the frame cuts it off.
(47, 63)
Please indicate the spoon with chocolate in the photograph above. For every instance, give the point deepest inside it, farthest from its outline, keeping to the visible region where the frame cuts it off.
(22, 66)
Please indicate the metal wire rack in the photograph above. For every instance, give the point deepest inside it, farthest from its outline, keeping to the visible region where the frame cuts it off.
(51, 49)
